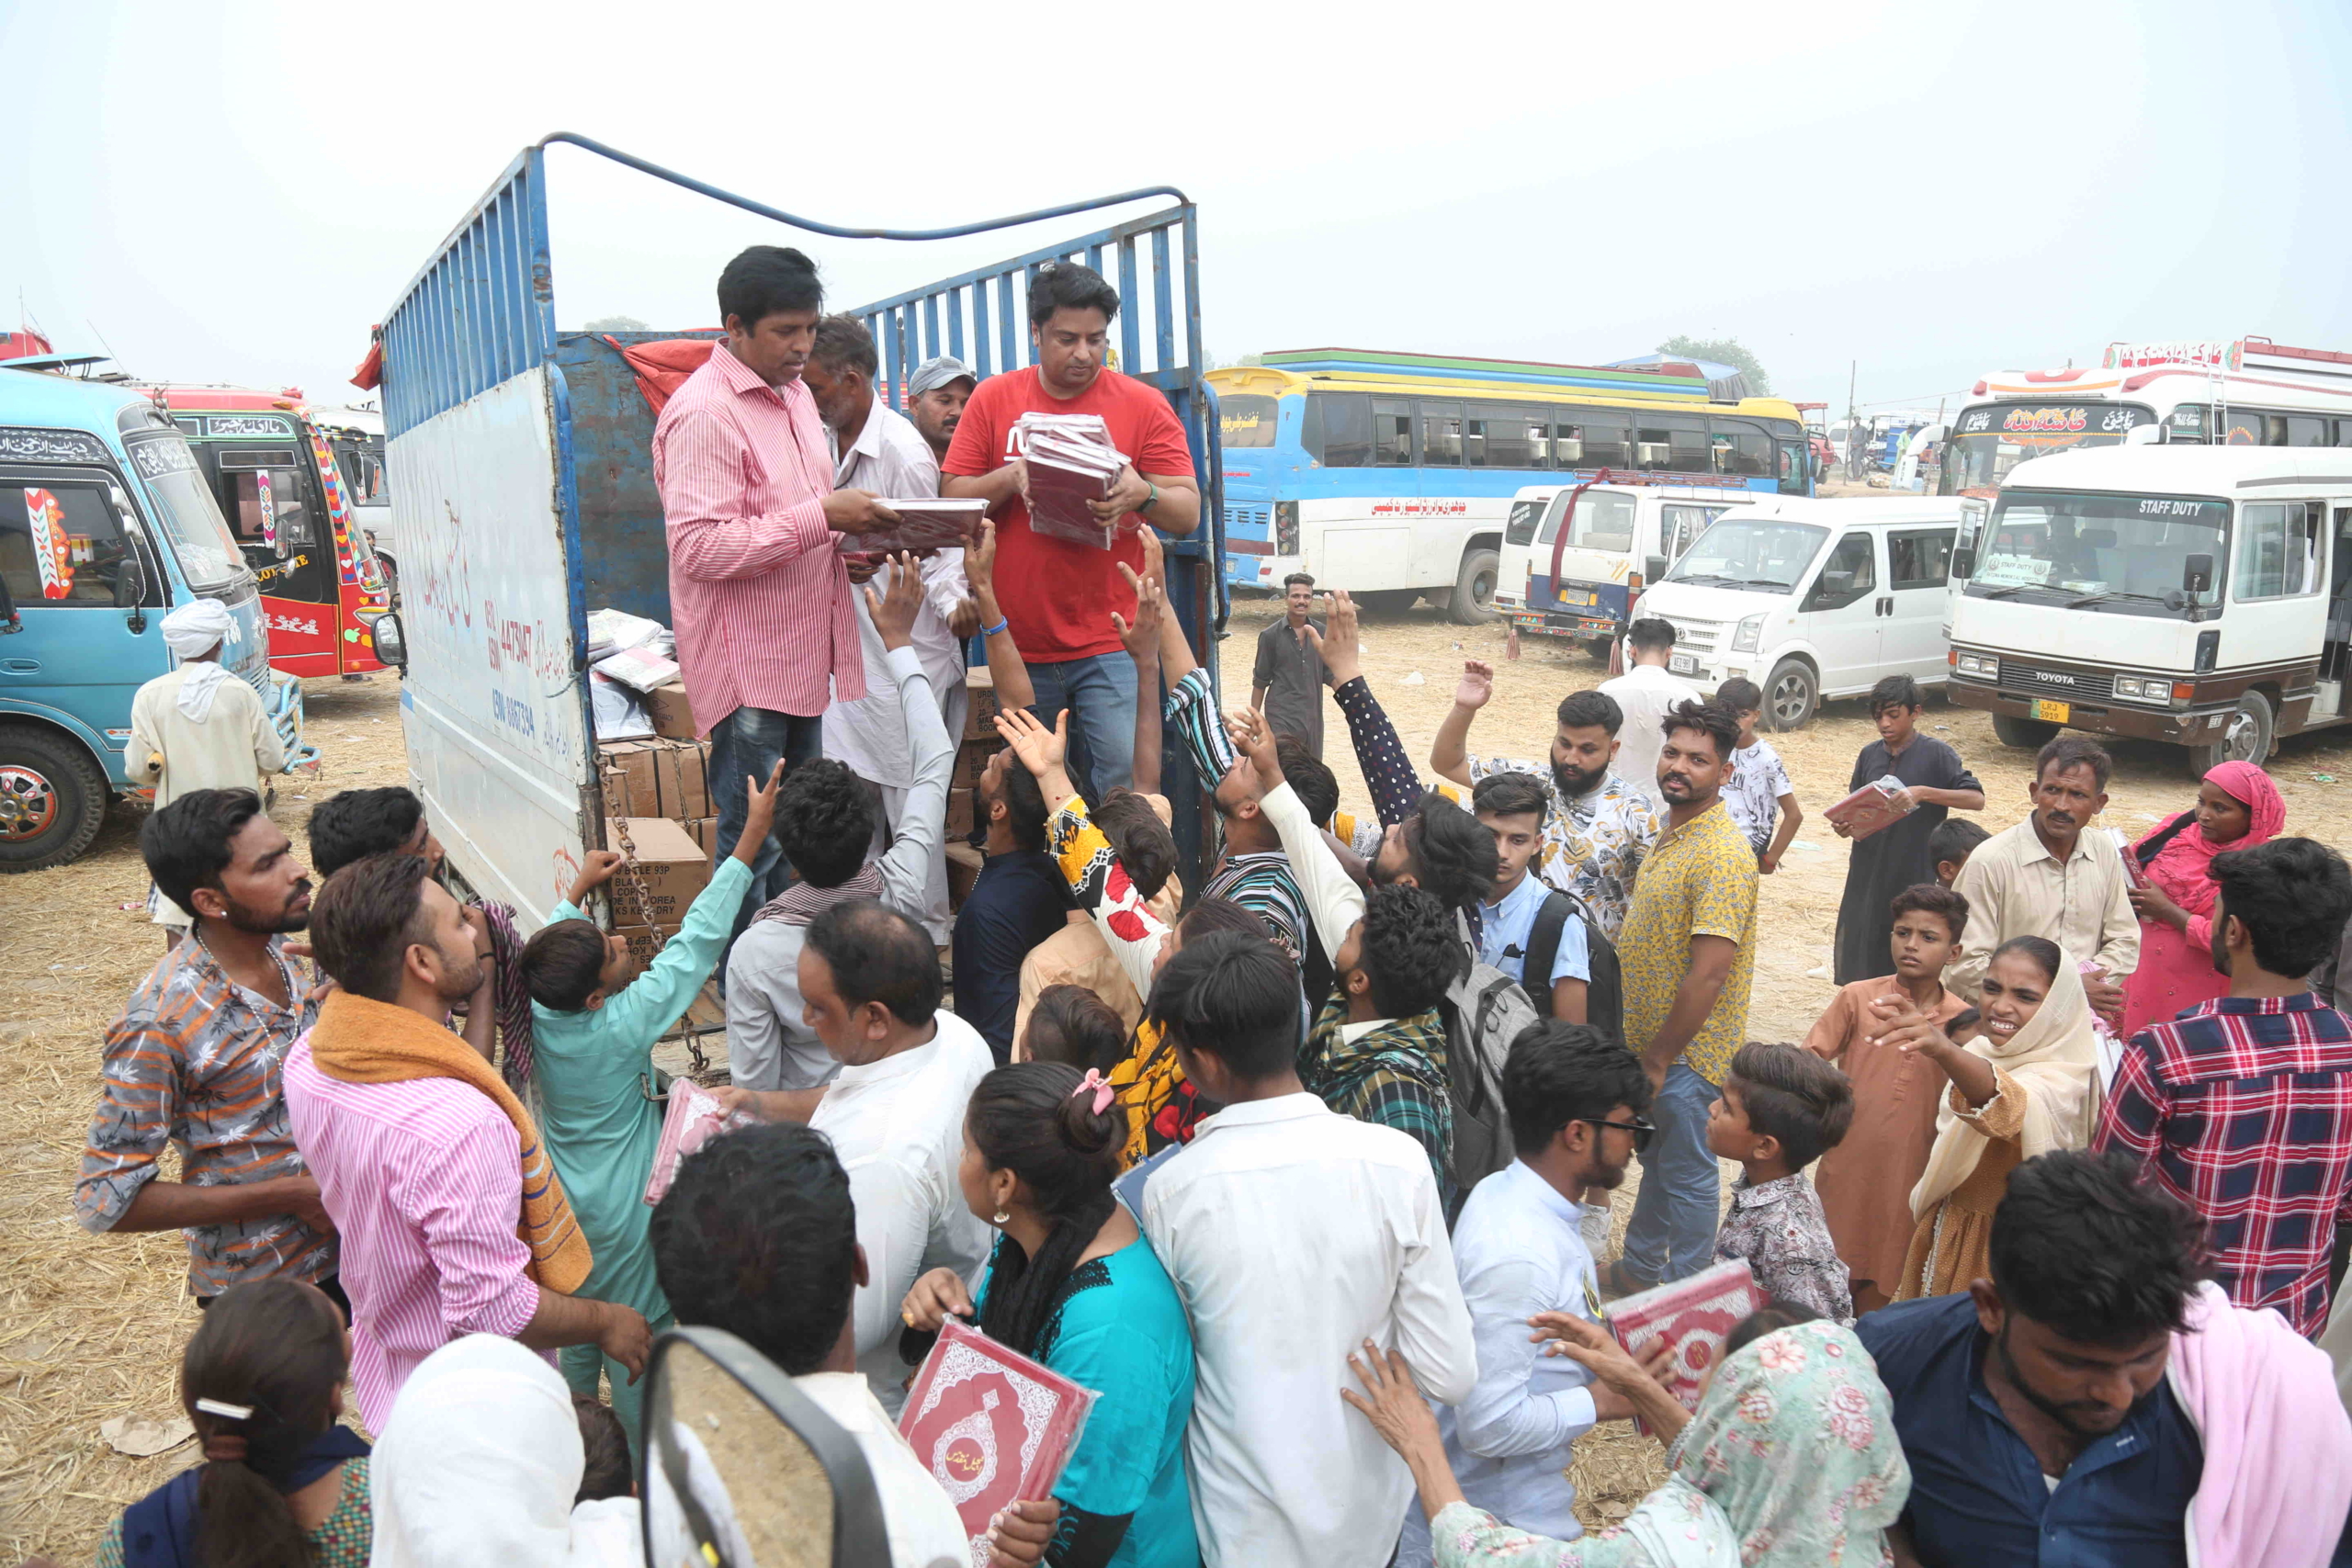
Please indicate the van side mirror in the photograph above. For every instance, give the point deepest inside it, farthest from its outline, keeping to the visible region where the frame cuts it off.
(1963, 561)
(2197, 575)
(391, 643)
(1834, 585)
(1653, 568)
(129, 582)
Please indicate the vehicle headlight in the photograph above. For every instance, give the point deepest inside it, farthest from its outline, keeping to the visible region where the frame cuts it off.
(1979, 666)
(1745, 636)
(2128, 686)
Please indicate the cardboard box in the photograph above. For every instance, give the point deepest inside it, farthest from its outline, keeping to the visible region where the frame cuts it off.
(641, 941)
(704, 831)
(636, 792)
(960, 814)
(971, 762)
(979, 717)
(673, 718)
(669, 865)
(963, 865)
(680, 768)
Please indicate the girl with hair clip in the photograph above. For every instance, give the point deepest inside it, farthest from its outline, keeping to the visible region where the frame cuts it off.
(281, 1485)
(1073, 1284)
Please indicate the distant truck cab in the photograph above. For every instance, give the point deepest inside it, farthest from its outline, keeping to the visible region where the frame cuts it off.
(105, 524)
(1573, 556)
(275, 476)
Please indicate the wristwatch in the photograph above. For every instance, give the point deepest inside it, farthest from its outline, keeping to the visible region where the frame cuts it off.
(1149, 500)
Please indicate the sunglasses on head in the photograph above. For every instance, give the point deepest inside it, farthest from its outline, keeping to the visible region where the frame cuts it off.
(1643, 1131)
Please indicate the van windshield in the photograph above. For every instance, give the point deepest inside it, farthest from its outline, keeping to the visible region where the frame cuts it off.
(1604, 521)
(1761, 554)
(190, 518)
(2119, 553)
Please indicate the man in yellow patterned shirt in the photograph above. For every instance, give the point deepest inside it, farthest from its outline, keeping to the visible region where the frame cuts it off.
(1686, 951)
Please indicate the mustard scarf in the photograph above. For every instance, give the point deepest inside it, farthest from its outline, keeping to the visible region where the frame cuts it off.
(358, 1041)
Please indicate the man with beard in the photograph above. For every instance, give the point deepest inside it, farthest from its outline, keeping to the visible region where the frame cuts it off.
(1575, 1098)
(1598, 824)
(2047, 877)
(936, 394)
(1685, 957)
(195, 1060)
(451, 1218)
(2093, 1404)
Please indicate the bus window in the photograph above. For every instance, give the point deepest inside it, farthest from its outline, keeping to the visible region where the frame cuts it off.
(1599, 442)
(1673, 442)
(2250, 427)
(2306, 429)
(2186, 424)
(1392, 428)
(1794, 457)
(1505, 438)
(1247, 418)
(1441, 436)
(1337, 429)
(2278, 550)
(1740, 448)
(2344, 433)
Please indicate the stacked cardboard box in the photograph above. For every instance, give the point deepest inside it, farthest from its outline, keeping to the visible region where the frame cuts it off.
(657, 792)
(978, 743)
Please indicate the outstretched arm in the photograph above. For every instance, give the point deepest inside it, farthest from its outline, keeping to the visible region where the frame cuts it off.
(1007, 669)
(1449, 753)
(1333, 900)
(1396, 788)
(1142, 640)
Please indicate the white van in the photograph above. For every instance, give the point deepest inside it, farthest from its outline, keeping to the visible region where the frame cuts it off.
(1811, 599)
(1612, 529)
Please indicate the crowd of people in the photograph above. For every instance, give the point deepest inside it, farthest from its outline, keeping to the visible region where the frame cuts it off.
(1308, 1171)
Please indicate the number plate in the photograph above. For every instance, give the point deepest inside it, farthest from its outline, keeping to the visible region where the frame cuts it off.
(1575, 596)
(1687, 664)
(2051, 713)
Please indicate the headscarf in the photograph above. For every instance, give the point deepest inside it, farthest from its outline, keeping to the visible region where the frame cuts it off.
(193, 630)
(2181, 851)
(1795, 1442)
(2054, 1058)
(478, 1465)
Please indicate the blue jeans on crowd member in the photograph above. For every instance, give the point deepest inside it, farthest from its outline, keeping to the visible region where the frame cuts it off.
(1099, 693)
(752, 740)
(1672, 1233)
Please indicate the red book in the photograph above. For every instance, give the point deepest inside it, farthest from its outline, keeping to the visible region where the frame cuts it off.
(1874, 806)
(994, 1427)
(694, 1117)
(925, 523)
(1690, 1314)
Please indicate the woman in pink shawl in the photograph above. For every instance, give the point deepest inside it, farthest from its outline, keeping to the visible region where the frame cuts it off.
(2237, 808)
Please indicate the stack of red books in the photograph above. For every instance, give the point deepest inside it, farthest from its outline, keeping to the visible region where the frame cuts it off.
(992, 1427)
(1692, 1315)
(925, 523)
(1071, 462)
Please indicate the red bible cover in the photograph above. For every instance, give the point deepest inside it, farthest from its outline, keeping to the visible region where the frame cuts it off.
(992, 1427)
(1692, 1315)
(1870, 808)
(924, 524)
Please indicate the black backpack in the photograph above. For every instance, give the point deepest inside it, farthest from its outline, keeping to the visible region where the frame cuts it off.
(1604, 1004)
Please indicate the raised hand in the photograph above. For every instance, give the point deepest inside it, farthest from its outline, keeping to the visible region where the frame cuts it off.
(1155, 559)
(1141, 636)
(1338, 643)
(758, 816)
(1040, 751)
(979, 560)
(1477, 687)
(895, 612)
(1254, 738)
(602, 867)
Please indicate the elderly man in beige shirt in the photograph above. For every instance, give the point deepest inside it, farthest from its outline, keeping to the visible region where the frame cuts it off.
(1137, 826)
(2051, 877)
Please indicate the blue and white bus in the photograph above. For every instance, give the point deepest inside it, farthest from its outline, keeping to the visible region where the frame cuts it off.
(1392, 476)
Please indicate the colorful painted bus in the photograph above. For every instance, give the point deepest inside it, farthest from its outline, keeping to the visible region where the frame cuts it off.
(1392, 475)
(269, 465)
(2249, 392)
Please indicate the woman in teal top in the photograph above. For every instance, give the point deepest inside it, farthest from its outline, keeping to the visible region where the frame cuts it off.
(595, 1017)
(1074, 1284)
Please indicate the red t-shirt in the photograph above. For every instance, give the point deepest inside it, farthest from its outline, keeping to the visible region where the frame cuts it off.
(1059, 596)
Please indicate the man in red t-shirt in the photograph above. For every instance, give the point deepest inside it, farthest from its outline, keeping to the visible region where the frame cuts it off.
(1059, 595)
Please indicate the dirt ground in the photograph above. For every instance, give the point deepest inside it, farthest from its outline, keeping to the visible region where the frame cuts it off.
(90, 1326)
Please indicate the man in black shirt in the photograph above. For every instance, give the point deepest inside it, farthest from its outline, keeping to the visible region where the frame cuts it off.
(1896, 857)
(1288, 684)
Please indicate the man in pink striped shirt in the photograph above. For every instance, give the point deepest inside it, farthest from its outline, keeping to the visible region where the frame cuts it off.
(422, 1176)
(767, 634)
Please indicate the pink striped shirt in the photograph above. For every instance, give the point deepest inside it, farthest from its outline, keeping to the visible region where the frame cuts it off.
(758, 597)
(425, 1183)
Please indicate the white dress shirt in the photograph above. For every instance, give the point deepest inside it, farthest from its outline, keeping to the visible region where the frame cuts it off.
(1519, 1251)
(897, 1125)
(925, 1531)
(1294, 1235)
(889, 458)
(768, 1045)
(1643, 694)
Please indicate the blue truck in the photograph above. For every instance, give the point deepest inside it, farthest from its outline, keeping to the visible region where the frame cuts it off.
(520, 469)
(105, 524)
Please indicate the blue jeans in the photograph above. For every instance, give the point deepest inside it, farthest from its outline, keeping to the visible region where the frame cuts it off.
(752, 740)
(1099, 693)
(1672, 1233)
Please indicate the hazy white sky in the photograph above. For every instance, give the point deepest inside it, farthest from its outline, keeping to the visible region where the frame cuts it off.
(235, 192)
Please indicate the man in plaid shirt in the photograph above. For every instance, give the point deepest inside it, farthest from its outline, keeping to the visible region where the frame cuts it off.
(2243, 1106)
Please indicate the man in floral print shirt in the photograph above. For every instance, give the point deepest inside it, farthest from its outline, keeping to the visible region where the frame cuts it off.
(1600, 825)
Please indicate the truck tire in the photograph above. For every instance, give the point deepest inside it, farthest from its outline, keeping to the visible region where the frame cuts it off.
(52, 799)
(2029, 733)
(1474, 592)
(2247, 735)
(1791, 696)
